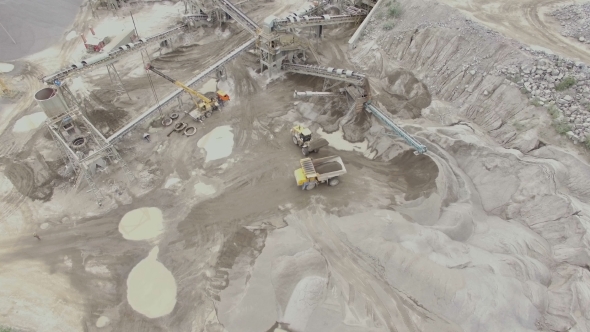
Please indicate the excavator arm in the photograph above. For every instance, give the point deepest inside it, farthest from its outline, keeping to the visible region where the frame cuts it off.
(194, 93)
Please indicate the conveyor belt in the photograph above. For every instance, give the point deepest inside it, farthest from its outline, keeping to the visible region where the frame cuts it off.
(238, 15)
(113, 55)
(308, 21)
(420, 149)
(171, 97)
(326, 72)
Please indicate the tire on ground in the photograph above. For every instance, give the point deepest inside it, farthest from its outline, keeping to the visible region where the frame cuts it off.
(334, 181)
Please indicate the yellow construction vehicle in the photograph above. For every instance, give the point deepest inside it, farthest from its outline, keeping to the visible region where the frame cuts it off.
(316, 171)
(3, 88)
(206, 105)
(302, 137)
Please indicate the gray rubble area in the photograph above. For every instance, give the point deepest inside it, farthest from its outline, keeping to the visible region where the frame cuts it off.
(575, 21)
(562, 85)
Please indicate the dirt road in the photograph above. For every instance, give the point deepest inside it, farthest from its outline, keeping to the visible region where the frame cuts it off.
(525, 21)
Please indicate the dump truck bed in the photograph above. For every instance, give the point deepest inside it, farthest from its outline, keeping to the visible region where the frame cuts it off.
(323, 168)
(317, 143)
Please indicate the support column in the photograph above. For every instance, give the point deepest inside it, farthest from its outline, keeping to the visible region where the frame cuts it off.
(116, 80)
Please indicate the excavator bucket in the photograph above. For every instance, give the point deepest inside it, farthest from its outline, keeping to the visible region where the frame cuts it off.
(316, 144)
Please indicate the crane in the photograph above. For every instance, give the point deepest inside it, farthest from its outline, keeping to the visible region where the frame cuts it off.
(206, 105)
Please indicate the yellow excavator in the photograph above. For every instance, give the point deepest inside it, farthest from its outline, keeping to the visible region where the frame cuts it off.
(206, 105)
(301, 137)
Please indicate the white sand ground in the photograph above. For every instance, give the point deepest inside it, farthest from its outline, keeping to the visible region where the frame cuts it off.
(102, 321)
(151, 288)
(6, 67)
(218, 143)
(209, 86)
(171, 182)
(29, 122)
(142, 224)
(203, 189)
(337, 141)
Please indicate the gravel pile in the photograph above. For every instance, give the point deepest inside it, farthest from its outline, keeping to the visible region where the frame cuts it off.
(575, 21)
(544, 81)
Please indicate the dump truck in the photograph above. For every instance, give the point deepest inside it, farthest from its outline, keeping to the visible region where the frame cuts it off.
(321, 170)
(301, 137)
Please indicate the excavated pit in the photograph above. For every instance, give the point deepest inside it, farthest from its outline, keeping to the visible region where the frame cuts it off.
(489, 223)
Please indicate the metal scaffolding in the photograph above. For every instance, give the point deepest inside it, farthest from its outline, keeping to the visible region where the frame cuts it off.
(116, 80)
(84, 130)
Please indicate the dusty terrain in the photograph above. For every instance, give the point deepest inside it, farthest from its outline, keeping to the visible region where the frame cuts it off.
(486, 232)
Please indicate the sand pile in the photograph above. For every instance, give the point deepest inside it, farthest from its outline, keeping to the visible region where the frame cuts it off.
(492, 249)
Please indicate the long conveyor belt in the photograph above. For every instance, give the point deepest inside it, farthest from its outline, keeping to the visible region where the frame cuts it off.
(309, 21)
(113, 55)
(326, 72)
(420, 149)
(238, 15)
(198, 79)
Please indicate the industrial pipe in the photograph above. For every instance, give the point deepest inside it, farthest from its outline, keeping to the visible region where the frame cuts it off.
(298, 94)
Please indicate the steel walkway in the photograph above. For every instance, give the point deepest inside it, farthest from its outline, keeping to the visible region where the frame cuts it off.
(420, 149)
(171, 97)
(326, 72)
(238, 15)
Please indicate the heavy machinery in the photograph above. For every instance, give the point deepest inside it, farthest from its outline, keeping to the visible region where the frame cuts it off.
(206, 105)
(316, 171)
(302, 137)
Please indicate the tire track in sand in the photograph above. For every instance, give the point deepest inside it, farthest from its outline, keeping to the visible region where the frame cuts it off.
(523, 20)
(394, 308)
